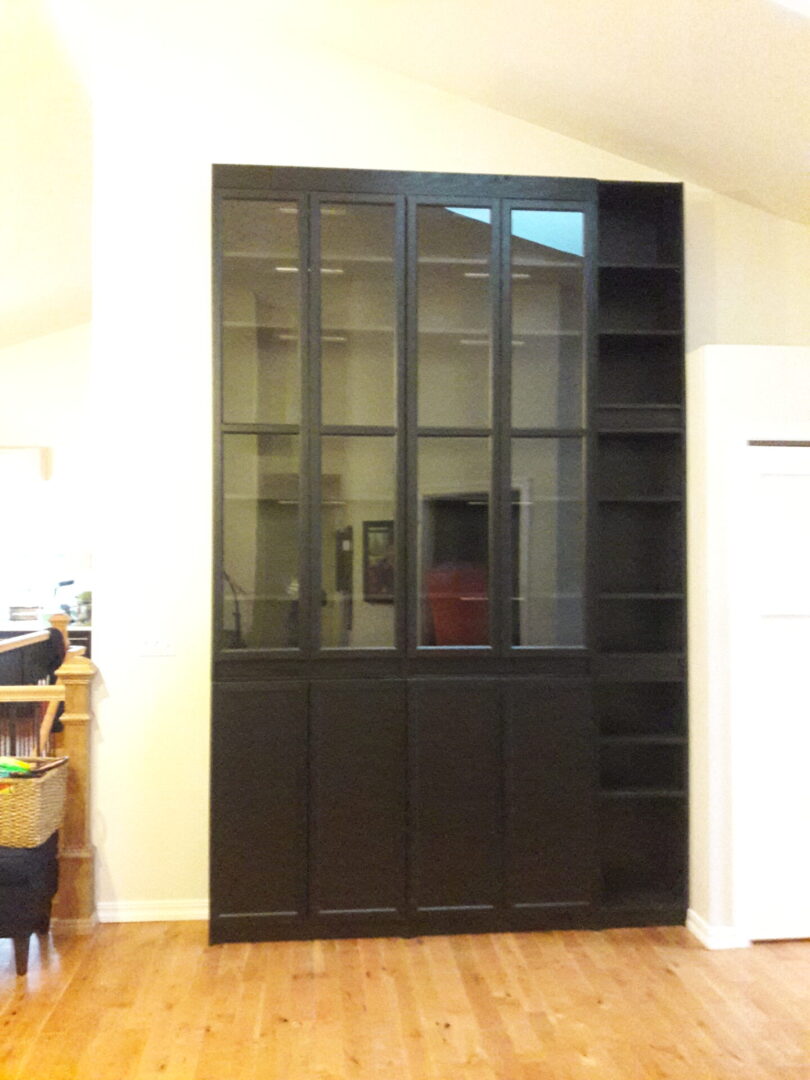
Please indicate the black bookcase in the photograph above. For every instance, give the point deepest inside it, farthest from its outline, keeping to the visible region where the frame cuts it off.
(639, 689)
(449, 597)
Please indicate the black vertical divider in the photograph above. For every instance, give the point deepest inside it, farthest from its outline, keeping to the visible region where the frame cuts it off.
(309, 576)
(410, 534)
(410, 383)
(218, 530)
(501, 526)
(499, 494)
(311, 474)
(403, 594)
(590, 390)
(502, 442)
(308, 338)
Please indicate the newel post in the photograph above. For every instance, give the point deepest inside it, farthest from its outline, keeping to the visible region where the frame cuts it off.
(74, 908)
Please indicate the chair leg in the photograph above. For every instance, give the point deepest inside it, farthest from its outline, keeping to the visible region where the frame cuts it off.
(21, 954)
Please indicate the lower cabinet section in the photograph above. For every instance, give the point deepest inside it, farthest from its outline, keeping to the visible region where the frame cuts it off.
(371, 807)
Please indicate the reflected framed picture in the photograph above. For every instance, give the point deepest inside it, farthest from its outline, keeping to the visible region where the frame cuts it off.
(378, 562)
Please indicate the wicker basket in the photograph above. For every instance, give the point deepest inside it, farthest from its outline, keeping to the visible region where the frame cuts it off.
(31, 807)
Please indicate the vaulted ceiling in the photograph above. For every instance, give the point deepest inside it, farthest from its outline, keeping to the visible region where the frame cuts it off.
(713, 91)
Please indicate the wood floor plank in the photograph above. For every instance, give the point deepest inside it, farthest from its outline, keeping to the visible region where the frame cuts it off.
(155, 1002)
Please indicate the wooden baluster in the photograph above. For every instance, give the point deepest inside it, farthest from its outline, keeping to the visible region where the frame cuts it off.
(74, 908)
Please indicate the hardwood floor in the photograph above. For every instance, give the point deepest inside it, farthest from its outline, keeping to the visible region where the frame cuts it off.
(152, 1001)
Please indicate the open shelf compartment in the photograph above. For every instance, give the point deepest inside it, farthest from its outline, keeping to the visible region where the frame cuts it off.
(642, 845)
(640, 709)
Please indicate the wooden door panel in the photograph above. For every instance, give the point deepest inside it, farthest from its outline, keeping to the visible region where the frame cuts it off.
(258, 800)
(358, 763)
(549, 793)
(455, 793)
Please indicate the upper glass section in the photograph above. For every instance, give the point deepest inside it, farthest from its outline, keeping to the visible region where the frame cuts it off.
(548, 318)
(358, 314)
(323, 319)
(260, 281)
(454, 316)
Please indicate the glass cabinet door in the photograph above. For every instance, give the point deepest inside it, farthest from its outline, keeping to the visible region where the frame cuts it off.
(546, 346)
(382, 357)
(358, 347)
(455, 276)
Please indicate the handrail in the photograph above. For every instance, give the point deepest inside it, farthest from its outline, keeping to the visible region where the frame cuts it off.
(52, 694)
(21, 640)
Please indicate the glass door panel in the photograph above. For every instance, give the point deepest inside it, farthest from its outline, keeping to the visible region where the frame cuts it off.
(453, 541)
(358, 314)
(261, 539)
(548, 542)
(454, 316)
(260, 281)
(547, 267)
(358, 484)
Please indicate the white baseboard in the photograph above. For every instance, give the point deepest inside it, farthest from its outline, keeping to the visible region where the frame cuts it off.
(715, 937)
(111, 911)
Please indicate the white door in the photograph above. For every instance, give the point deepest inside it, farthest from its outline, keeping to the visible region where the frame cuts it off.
(776, 703)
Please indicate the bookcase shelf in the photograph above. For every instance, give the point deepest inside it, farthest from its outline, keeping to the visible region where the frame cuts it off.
(634, 464)
(640, 689)
(643, 844)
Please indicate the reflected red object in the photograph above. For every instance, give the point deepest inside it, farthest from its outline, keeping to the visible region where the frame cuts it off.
(459, 603)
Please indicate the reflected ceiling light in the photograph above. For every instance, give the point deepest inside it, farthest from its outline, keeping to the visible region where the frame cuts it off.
(286, 269)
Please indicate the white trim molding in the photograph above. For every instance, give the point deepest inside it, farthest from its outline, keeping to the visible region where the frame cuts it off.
(114, 911)
(715, 937)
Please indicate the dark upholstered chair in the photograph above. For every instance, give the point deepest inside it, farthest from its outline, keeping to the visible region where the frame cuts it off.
(28, 882)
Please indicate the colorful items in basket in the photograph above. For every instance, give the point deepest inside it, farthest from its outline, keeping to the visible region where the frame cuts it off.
(25, 767)
(11, 766)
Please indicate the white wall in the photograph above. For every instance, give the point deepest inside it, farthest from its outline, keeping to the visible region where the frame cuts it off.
(734, 394)
(49, 407)
(217, 92)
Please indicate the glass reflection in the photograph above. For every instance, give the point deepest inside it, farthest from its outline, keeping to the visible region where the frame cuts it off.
(260, 272)
(454, 314)
(358, 479)
(358, 314)
(548, 542)
(261, 539)
(454, 482)
(548, 318)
